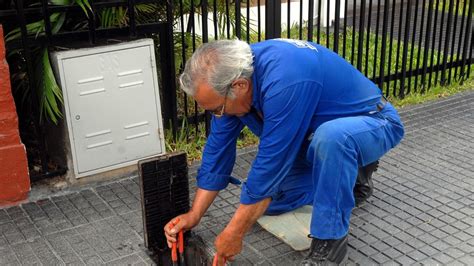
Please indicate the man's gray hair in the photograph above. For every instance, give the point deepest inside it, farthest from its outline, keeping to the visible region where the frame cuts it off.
(218, 63)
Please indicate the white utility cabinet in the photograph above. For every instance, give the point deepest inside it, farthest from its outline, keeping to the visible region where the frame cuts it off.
(112, 105)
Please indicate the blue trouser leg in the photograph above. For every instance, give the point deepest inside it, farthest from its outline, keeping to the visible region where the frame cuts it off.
(338, 148)
(295, 191)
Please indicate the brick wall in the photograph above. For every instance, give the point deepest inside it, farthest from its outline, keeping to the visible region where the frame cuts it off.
(14, 179)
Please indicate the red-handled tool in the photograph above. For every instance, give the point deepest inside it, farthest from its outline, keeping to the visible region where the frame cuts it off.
(174, 253)
(214, 262)
(181, 248)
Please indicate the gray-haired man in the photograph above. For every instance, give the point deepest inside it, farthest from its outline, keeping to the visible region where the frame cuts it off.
(321, 123)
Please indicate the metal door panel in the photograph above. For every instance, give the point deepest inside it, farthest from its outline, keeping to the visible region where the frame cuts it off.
(113, 108)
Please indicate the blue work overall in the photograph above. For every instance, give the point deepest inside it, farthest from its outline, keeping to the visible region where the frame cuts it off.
(319, 119)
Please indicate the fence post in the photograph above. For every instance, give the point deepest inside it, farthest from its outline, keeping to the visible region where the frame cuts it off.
(170, 111)
(272, 19)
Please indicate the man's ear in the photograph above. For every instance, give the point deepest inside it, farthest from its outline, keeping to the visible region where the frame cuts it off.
(243, 85)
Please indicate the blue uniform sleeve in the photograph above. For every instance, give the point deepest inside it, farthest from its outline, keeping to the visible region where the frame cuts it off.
(287, 114)
(219, 154)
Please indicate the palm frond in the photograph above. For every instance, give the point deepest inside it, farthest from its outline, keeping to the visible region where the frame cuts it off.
(48, 91)
(85, 5)
(37, 28)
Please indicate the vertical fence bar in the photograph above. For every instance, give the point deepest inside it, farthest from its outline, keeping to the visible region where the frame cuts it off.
(399, 42)
(377, 28)
(193, 24)
(446, 42)
(192, 13)
(183, 59)
(354, 15)
(384, 44)
(205, 39)
(392, 24)
(319, 21)
(238, 20)
(168, 73)
(91, 24)
(367, 43)
(466, 40)
(360, 44)
(328, 23)
(288, 19)
(427, 44)
(435, 27)
(336, 26)
(406, 40)
(461, 35)
(47, 21)
(258, 21)
(310, 19)
(440, 43)
(412, 50)
(272, 19)
(214, 17)
(456, 17)
(131, 16)
(301, 21)
(248, 21)
(32, 84)
(345, 30)
(204, 15)
(420, 42)
(24, 40)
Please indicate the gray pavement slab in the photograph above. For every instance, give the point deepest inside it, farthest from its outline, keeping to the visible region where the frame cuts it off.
(422, 210)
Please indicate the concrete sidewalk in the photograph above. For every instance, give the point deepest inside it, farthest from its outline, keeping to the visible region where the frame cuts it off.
(422, 210)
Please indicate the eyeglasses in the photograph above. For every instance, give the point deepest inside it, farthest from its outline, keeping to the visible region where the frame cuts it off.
(219, 111)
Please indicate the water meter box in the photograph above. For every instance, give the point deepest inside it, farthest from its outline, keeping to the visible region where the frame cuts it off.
(112, 113)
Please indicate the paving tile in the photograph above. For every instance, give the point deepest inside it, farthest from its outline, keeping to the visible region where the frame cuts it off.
(127, 260)
(44, 253)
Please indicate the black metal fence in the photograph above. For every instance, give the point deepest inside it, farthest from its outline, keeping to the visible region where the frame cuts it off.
(404, 46)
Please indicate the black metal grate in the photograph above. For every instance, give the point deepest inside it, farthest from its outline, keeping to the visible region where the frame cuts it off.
(165, 194)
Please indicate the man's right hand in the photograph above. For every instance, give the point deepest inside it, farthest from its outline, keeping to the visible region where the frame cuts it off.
(183, 222)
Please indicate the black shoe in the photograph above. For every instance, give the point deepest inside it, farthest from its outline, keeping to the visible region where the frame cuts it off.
(364, 186)
(326, 252)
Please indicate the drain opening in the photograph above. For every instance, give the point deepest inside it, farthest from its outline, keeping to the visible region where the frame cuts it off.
(194, 254)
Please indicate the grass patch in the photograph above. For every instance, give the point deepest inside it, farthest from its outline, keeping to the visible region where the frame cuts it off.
(434, 93)
(192, 142)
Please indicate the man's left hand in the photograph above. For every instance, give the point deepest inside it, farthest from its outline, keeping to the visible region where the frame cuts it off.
(228, 245)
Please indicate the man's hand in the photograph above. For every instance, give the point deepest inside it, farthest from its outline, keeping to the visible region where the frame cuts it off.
(183, 222)
(228, 244)
(187, 221)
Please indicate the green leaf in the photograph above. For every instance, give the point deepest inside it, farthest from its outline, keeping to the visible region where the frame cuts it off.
(49, 93)
(59, 23)
(84, 4)
(61, 2)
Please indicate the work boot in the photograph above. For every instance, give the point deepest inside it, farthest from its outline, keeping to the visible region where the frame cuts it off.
(364, 186)
(326, 252)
